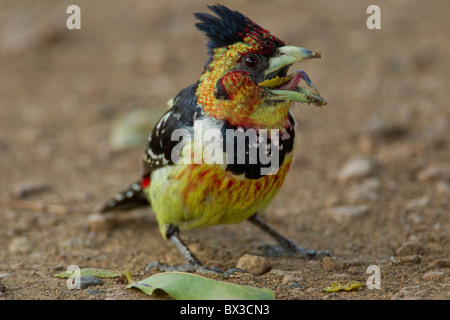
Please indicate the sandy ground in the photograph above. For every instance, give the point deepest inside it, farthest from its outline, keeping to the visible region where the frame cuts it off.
(388, 113)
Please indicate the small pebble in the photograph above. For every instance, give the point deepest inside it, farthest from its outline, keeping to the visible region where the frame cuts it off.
(379, 129)
(98, 222)
(332, 263)
(279, 272)
(87, 281)
(76, 242)
(29, 188)
(360, 194)
(443, 187)
(292, 281)
(101, 222)
(356, 168)
(23, 34)
(55, 268)
(413, 218)
(400, 152)
(440, 263)
(371, 186)
(418, 203)
(312, 290)
(93, 291)
(410, 248)
(406, 259)
(255, 265)
(341, 276)
(434, 275)
(345, 213)
(435, 172)
(19, 245)
(410, 293)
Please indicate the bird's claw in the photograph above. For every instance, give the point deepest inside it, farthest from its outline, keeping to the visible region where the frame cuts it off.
(230, 271)
(187, 267)
(276, 251)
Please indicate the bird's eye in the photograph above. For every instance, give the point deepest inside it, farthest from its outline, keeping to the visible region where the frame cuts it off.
(251, 61)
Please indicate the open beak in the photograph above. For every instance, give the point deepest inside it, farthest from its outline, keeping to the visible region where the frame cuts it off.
(285, 87)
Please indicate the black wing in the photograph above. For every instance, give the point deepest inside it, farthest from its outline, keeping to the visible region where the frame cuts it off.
(159, 149)
(181, 116)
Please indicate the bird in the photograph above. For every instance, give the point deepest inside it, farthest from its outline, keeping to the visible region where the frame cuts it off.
(222, 150)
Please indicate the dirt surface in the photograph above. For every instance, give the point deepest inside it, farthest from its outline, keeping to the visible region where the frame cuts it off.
(388, 111)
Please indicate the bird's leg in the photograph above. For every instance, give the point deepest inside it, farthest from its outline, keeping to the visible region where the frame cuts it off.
(193, 264)
(287, 247)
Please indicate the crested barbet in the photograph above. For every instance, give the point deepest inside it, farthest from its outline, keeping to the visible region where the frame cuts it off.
(222, 150)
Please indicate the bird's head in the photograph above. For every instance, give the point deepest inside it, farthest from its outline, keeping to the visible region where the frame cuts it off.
(246, 80)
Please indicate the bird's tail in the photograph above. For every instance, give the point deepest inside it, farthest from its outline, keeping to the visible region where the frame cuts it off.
(131, 198)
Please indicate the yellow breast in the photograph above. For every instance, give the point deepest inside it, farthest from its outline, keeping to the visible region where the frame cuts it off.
(201, 195)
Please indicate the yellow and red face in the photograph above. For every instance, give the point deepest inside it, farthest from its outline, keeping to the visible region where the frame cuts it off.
(246, 81)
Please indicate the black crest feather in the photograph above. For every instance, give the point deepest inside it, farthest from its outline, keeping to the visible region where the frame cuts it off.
(225, 30)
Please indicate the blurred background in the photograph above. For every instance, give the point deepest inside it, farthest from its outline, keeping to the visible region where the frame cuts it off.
(374, 163)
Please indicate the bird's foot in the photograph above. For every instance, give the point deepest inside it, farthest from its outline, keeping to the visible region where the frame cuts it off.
(192, 267)
(276, 251)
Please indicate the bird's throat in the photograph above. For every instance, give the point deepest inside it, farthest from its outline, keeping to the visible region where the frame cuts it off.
(240, 102)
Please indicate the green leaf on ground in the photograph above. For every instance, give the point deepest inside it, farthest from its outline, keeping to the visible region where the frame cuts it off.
(187, 286)
(99, 273)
